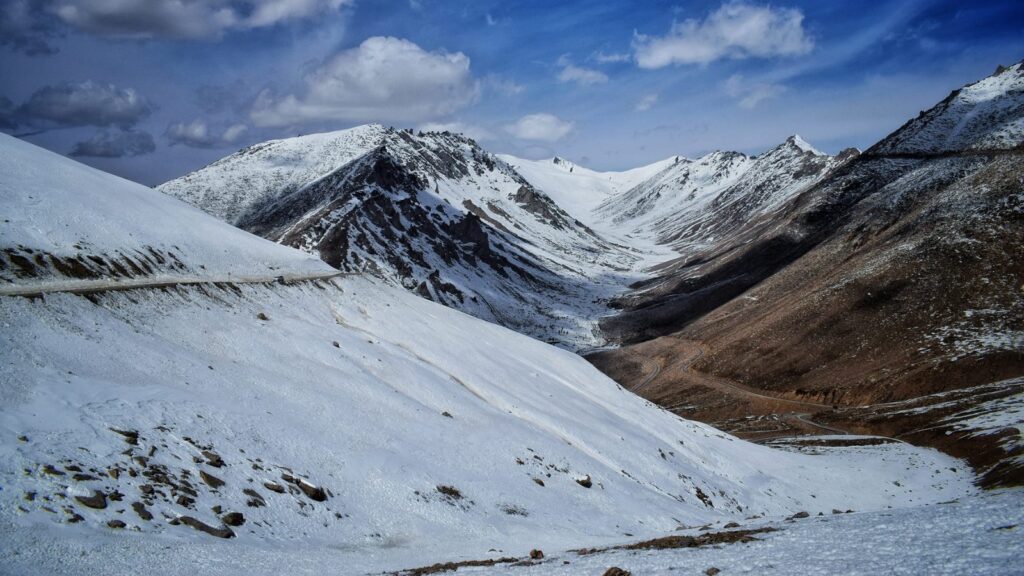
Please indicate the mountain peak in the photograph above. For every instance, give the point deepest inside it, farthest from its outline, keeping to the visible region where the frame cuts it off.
(800, 143)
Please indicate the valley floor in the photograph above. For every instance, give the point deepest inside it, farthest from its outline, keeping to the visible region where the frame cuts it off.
(976, 534)
(981, 534)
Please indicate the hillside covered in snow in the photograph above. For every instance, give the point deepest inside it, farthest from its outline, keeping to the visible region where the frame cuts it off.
(264, 422)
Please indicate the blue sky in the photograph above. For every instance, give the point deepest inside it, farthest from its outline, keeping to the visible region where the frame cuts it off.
(151, 89)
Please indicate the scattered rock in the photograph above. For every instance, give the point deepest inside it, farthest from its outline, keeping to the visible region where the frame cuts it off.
(233, 519)
(616, 571)
(75, 519)
(80, 477)
(185, 501)
(116, 524)
(114, 473)
(130, 436)
(732, 525)
(446, 414)
(217, 509)
(450, 491)
(140, 509)
(49, 469)
(211, 480)
(97, 501)
(335, 344)
(313, 492)
(834, 511)
(536, 554)
(224, 532)
(255, 498)
(274, 487)
(263, 316)
(30, 496)
(22, 438)
(799, 515)
(213, 459)
(585, 481)
(712, 571)
(538, 481)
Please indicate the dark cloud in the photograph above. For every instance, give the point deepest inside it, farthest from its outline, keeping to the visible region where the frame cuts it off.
(25, 26)
(236, 97)
(83, 104)
(115, 144)
(7, 114)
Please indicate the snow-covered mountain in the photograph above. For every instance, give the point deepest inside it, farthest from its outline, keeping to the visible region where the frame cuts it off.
(579, 190)
(690, 203)
(432, 212)
(894, 278)
(985, 115)
(334, 418)
(538, 246)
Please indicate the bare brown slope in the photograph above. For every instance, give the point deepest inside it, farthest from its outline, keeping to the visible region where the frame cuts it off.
(918, 289)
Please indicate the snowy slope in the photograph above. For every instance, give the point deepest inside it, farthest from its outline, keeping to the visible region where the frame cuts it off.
(348, 419)
(579, 190)
(985, 115)
(693, 202)
(431, 212)
(56, 228)
(232, 186)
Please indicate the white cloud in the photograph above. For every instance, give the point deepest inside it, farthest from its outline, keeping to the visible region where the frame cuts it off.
(475, 132)
(612, 58)
(197, 134)
(543, 127)
(383, 79)
(646, 102)
(735, 30)
(504, 86)
(750, 94)
(581, 76)
(234, 132)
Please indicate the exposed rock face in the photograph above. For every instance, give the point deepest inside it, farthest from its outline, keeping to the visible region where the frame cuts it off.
(432, 212)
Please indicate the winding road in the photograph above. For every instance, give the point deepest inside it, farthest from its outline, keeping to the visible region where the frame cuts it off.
(688, 352)
(107, 285)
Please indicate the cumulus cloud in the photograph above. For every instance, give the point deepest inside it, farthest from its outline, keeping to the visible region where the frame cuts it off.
(543, 127)
(115, 144)
(383, 79)
(182, 18)
(749, 94)
(646, 102)
(735, 30)
(83, 104)
(198, 134)
(475, 132)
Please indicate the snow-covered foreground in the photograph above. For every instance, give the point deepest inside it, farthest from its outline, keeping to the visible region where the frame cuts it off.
(981, 534)
(413, 398)
(339, 425)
